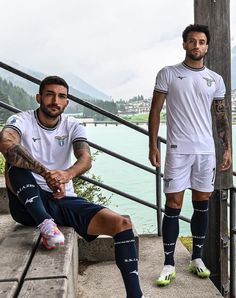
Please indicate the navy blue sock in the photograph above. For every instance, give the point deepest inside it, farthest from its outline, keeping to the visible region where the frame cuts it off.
(127, 261)
(199, 222)
(27, 190)
(170, 230)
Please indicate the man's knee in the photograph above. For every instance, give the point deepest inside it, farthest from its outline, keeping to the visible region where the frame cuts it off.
(121, 224)
(175, 199)
(200, 196)
(125, 223)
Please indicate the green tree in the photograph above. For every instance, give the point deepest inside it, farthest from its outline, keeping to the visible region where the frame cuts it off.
(90, 191)
(2, 164)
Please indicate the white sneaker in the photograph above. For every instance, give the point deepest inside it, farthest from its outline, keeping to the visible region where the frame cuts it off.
(198, 267)
(167, 274)
(50, 233)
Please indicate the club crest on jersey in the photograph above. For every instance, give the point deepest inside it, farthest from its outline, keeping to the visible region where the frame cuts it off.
(167, 181)
(13, 120)
(209, 81)
(61, 140)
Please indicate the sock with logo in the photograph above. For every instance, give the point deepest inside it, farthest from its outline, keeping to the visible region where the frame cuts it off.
(170, 230)
(199, 222)
(27, 190)
(127, 261)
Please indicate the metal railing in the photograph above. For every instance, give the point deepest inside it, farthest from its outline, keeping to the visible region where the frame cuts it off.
(156, 172)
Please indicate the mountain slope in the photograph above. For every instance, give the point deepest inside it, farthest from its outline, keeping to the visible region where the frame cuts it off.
(78, 87)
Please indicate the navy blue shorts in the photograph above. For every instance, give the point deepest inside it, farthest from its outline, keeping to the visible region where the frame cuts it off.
(73, 212)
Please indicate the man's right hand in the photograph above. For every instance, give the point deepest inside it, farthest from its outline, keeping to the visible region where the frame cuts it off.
(60, 192)
(55, 183)
(154, 157)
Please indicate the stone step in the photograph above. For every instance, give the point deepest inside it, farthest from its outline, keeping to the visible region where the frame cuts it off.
(4, 208)
(30, 270)
(101, 249)
(103, 279)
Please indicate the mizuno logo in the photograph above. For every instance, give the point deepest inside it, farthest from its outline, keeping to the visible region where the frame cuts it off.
(36, 139)
(135, 272)
(181, 78)
(199, 245)
(31, 200)
(168, 252)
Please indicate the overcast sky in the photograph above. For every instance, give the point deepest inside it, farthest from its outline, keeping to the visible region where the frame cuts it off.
(115, 45)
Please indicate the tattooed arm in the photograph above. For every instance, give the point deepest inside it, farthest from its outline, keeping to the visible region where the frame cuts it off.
(82, 164)
(222, 125)
(17, 155)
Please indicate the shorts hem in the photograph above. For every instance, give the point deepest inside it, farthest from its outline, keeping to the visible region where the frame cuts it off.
(89, 237)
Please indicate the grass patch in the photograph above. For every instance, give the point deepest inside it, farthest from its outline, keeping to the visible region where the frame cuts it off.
(187, 241)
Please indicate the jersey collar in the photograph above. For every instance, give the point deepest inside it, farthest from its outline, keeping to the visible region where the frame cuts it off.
(192, 68)
(45, 127)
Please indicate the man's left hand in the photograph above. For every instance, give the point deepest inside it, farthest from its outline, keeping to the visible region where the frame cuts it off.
(56, 177)
(227, 160)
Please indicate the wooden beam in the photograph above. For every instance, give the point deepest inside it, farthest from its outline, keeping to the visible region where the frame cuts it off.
(216, 15)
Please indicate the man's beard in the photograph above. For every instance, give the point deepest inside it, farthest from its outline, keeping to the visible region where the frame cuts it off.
(49, 114)
(194, 57)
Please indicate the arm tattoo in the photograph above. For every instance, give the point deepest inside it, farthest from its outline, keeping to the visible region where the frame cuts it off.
(80, 145)
(222, 123)
(18, 156)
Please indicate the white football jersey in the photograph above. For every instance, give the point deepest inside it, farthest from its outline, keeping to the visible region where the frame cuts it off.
(189, 96)
(50, 146)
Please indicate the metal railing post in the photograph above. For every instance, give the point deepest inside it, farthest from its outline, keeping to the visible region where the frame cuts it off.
(158, 194)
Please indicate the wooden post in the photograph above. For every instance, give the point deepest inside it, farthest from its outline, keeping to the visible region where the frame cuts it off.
(216, 14)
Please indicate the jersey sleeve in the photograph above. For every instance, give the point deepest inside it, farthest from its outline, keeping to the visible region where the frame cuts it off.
(17, 123)
(220, 89)
(79, 133)
(162, 81)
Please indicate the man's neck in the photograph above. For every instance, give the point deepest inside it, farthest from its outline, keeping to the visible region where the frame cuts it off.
(46, 120)
(194, 63)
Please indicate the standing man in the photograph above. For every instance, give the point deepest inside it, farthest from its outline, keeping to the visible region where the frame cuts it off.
(37, 146)
(190, 90)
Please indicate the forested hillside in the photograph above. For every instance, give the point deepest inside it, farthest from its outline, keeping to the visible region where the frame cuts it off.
(19, 98)
(14, 96)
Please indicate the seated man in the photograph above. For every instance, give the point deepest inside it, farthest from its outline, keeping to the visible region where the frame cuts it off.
(37, 146)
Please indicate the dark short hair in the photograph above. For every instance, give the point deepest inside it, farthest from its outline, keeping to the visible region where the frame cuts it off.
(52, 80)
(196, 28)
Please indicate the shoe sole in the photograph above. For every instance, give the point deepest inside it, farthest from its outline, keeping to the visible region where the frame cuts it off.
(51, 246)
(163, 283)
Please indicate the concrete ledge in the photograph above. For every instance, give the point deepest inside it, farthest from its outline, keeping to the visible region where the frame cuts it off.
(4, 203)
(8, 289)
(29, 270)
(59, 266)
(101, 249)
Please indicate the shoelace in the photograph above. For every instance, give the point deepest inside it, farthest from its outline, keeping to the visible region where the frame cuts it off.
(167, 270)
(199, 264)
(47, 227)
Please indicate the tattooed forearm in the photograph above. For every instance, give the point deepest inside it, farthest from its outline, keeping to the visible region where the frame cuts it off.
(16, 155)
(81, 145)
(83, 159)
(222, 123)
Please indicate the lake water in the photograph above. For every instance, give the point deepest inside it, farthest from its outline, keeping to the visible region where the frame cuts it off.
(131, 179)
